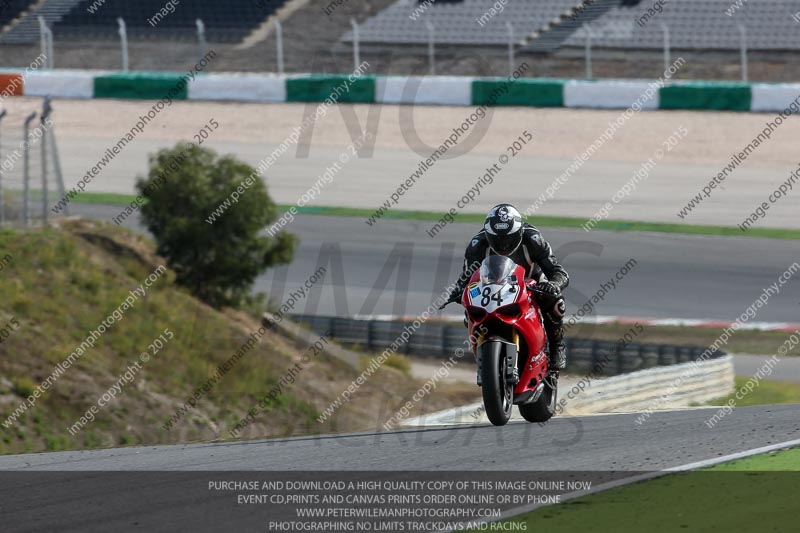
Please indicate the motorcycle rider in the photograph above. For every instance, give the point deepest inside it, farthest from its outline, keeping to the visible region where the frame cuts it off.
(504, 233)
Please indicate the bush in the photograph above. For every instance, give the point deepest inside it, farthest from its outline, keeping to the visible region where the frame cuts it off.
(212, 243)
(23, 386)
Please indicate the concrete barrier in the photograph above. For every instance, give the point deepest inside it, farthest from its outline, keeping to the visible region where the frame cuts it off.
(61, 84)
(424, 90)
(650, 390)
(666, 387)
(239, 88)
(414, 90)
(610, 94)
(774, 96)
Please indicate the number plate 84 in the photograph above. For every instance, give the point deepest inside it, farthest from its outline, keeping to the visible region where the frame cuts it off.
(492, 297)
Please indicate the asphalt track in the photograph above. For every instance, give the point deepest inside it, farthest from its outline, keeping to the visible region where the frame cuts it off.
(404, 135)
(164, 488)
(702, 277)
(591, 443)
(749, 365)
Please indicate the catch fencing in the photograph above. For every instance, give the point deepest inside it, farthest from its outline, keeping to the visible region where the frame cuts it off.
(31, 180)
(441, 339)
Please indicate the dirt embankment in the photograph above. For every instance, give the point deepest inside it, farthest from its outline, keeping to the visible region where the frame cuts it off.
(157, 348)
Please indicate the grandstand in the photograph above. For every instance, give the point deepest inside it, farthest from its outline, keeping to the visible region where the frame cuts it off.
(698, 24)
(469, 22)
(548, 25)
(23, 24)
(228, 21)
(11, 9)
(470, 36)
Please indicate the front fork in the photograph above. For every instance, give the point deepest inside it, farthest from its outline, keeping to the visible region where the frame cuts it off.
(512, 373)
(511, 370)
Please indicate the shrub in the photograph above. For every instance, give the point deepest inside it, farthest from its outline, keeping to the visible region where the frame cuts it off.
(23, 386)
(212, 243)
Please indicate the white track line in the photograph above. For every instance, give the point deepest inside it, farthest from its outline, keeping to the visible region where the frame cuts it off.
(734, 456)
(648, 476)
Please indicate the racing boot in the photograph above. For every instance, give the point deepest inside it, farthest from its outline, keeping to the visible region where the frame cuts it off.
(558, 351)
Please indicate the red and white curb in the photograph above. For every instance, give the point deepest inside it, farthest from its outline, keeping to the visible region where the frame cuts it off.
(697, 323)
(786, 327)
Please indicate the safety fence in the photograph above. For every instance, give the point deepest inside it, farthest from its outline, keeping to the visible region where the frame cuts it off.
(31, 178)
(441, 339)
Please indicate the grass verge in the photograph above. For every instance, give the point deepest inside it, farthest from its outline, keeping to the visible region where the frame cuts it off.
(477, 218)
(753, 494)
(766, 393)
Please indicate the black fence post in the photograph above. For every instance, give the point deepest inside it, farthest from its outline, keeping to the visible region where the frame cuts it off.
(640, 355)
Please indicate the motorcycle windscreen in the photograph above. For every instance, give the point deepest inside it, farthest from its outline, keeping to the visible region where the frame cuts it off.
(496, 269)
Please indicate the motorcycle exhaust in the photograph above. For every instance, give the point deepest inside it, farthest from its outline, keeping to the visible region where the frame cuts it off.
(537, 392)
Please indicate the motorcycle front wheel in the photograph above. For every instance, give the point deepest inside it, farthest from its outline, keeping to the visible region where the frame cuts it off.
(498, 396)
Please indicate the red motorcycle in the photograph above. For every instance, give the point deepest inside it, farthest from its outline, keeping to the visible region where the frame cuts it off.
(509, 342)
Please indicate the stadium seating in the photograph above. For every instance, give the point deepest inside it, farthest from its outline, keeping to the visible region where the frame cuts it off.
(26, 28)
(231, 20)
(458, 23)
(698, 24)
(546, 25)
(11, 9)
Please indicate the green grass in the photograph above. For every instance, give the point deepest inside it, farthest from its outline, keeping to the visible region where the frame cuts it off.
(753, 494)
(783, 461)
(766, 393)
(477, 218)
(105, 198)
(397, 361)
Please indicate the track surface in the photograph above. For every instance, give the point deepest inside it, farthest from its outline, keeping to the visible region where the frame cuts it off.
(404, 135)
(595, 443)
(788, 369)
(168, 488)
(676, 276)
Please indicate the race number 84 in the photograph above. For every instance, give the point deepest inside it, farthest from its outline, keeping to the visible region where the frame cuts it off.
(488, 297)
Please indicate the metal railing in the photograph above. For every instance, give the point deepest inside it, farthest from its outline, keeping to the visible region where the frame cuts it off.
(30, 168)
(587, 31)
(441, 339)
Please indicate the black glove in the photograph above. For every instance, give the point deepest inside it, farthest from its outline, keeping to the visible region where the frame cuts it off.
(548, 288)
(455, 297)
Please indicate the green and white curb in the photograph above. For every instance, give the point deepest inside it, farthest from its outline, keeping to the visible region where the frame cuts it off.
(416, 90)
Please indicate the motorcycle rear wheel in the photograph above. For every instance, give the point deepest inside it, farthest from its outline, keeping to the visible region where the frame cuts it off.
(498, 395)
(543, 408)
